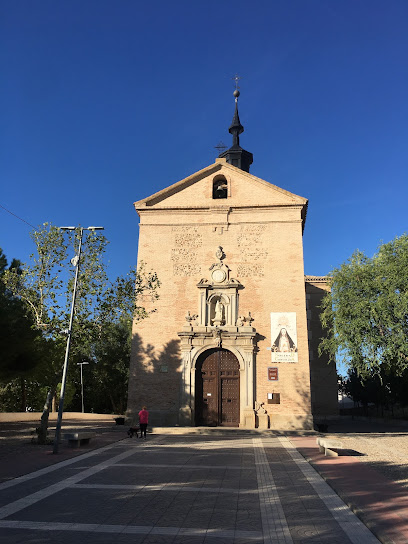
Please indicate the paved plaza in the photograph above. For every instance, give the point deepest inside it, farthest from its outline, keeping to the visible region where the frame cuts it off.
(213, 489)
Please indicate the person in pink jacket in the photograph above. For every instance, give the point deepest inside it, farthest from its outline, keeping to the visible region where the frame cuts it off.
(143, 421)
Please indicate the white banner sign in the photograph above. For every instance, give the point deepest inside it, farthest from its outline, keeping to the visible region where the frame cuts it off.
(284, 337)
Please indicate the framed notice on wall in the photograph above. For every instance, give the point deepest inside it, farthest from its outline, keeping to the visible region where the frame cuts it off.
(273, 374)
(284, 337)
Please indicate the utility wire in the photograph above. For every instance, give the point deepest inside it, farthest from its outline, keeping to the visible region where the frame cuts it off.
(23, 220)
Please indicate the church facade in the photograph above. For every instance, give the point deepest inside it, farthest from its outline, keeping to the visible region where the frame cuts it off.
(234, 335)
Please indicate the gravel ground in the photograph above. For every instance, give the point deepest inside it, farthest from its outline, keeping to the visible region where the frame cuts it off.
(382, 446)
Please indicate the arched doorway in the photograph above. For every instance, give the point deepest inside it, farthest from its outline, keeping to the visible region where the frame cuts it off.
(217, 389)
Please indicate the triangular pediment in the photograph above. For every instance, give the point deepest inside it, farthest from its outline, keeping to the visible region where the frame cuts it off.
(244, 190)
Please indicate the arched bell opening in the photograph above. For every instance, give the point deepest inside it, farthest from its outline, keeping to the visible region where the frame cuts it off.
(220, 187)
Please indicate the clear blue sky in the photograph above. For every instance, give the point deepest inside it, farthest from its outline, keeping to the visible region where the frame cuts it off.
(103, 103)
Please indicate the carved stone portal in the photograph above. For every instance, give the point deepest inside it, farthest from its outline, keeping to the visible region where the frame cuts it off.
(218, 324)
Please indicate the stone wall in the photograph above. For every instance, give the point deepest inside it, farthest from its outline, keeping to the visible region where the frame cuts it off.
(323, 376)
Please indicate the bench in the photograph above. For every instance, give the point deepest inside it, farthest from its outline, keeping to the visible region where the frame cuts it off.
(329, 446)
(80, 438)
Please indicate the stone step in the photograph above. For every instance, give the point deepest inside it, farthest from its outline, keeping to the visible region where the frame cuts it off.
(224, 431)
(234, 431)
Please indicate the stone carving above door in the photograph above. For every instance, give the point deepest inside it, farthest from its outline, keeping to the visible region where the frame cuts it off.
(218, 301)
(219, 271)
(219, 297)
(218, 324)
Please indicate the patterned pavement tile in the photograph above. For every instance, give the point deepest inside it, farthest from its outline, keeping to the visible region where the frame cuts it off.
(267, 494)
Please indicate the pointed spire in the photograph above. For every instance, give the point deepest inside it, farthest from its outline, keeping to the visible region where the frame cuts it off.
(235, 155)
(236, 128)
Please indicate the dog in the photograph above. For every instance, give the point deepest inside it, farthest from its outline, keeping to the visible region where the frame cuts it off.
(132, 431)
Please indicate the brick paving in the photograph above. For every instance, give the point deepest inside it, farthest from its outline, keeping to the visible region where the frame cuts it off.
(194, 489)
(380, 503)
(381, 445)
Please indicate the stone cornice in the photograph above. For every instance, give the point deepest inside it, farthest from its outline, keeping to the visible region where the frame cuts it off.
(317, 279)
(206, 209)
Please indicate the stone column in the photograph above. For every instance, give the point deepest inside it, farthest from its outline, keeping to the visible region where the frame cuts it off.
(203, 307)
(185, 412)
(234, 308)
(248, 415)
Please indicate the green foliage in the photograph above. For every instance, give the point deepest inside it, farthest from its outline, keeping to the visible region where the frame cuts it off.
(366, 313)
(45, 285)
(384, 389)
(11, 395)
(20, 344)
(109, 374)
(39, 284)
(132, 295)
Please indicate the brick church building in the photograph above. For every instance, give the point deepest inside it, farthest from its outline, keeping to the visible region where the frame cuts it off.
(234, 339)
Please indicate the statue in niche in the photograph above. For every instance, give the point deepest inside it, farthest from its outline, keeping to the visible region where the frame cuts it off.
(218, 313)
(219, 310)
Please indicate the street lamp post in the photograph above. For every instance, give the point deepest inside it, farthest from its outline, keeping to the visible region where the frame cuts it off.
(82, 384)
(75, 262)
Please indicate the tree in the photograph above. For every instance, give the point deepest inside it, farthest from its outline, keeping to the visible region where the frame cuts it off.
(384, 389)
(45, 288)
(109, 374)
(366, 312)
(20, 343)
(42, 288)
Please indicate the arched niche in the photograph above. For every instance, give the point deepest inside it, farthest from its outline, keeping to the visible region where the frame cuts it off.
(219, 310)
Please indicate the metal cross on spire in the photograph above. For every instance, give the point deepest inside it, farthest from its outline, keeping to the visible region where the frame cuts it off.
(221, 147)
(236, 78)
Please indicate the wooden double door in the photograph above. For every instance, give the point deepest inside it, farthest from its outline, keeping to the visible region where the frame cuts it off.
(217, 389)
